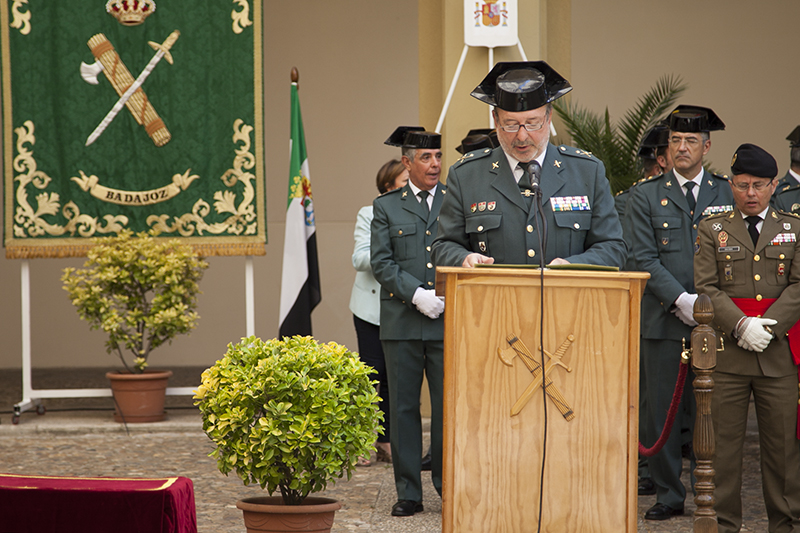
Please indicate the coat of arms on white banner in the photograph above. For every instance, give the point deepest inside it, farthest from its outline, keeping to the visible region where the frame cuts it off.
(490, 23)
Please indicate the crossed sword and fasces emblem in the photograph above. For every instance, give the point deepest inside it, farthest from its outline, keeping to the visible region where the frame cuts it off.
(129, 90)
(518, 348)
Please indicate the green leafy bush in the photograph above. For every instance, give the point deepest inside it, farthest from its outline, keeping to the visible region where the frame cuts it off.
(289, 414)
(140, 290)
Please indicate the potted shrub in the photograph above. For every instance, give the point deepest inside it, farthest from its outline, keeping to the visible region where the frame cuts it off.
(289, 415)
(142, 292)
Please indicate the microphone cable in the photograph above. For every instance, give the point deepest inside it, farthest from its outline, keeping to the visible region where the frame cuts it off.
(534, 170)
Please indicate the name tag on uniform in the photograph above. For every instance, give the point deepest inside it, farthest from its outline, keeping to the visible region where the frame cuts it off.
(728, 249)
(714, 209)
(781, 238)
(570, 203)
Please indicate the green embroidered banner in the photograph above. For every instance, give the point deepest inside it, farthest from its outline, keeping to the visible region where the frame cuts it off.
(184, 153)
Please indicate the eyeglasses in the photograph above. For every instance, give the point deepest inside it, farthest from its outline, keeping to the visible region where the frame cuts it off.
(690, 141)
(757, 186)
(514, 128)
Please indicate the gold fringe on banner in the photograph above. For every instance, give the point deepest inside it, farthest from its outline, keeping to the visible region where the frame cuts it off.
(80, 250)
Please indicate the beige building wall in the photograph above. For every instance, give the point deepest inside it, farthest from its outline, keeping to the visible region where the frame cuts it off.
(736, 56)
(366, 67)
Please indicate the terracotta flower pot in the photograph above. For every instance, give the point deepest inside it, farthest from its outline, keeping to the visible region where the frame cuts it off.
(269, 513)
(139, 397)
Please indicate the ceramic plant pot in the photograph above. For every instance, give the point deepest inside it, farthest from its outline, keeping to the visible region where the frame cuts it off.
(139, 397)
(270, 514)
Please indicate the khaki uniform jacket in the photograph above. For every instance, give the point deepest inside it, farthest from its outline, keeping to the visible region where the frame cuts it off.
(741, 270)
(402, 234)
(484, 212)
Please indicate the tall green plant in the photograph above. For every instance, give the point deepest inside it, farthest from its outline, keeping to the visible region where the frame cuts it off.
(141, 291)
(617, 144)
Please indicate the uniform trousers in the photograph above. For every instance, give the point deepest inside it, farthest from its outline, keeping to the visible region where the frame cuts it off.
(776, 411)
(370, 351)
(406, 363)
(661, 360)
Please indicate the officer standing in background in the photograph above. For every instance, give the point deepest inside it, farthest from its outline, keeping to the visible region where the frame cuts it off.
(656, 160)
(404, 225)
(487, 215)
(787, 192)
(745, 262)
(663, 213)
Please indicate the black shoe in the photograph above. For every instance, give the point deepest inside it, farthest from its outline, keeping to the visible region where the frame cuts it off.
(662, 511)
(686, 450)
(406, 508)
(426, 462)
(646, 486)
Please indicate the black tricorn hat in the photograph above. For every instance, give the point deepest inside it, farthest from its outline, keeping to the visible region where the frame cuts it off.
(476, 139)
(694, 119)
(414, 137)
(753, 160)
(521, 86)
(652, 140)
(794, 138)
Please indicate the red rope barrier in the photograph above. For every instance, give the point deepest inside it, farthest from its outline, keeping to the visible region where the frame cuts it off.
(673, 408)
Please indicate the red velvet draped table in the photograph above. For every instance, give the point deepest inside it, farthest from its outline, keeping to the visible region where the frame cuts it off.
(48, 504)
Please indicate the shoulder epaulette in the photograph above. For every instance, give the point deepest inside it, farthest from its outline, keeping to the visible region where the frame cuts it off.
(576, 152)
(788, 213)
(786, 187)
(721, 176)
(473, 155)
(718, 215)
(391, 192)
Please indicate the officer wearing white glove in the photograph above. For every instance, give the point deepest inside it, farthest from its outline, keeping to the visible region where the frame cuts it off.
(428, 303)
(752, 333)
(684, 308)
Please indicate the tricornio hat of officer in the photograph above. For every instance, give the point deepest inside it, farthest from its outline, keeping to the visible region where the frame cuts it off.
(476, 139)
(414, 137)
(521, 86)
(694, 119)
(653, 139)
(753, 160)
(794, 138)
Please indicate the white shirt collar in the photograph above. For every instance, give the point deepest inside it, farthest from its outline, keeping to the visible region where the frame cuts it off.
(513, 163)
(762, 215)
(416, 190)
(795, 175)
(698, 179)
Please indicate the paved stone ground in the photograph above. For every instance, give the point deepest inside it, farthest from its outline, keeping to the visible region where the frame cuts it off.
(86, 442)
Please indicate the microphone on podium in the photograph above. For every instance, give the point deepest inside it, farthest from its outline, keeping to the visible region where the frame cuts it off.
(535, 171)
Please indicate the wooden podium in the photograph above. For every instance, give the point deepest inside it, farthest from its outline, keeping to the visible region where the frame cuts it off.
(493, 459)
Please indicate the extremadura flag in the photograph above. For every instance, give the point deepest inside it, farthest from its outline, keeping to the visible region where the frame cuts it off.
(183, 154)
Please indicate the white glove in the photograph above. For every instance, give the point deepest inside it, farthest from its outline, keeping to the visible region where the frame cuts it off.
(428, 303)
(684, 308)
(753, 336)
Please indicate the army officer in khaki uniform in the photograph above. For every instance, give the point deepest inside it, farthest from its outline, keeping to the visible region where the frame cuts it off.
(487, 215)
(748, 263)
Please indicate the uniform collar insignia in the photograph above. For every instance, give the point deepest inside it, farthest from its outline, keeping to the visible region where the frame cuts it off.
(557, 163)
(495, 165)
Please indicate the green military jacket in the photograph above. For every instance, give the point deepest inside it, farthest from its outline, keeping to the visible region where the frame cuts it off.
(484, 211)
(400, 243)
(787, 195)
(662, 239)
(727, 265)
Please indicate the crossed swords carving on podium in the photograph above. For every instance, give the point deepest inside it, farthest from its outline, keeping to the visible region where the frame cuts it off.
(518, 348)
(119, 76)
